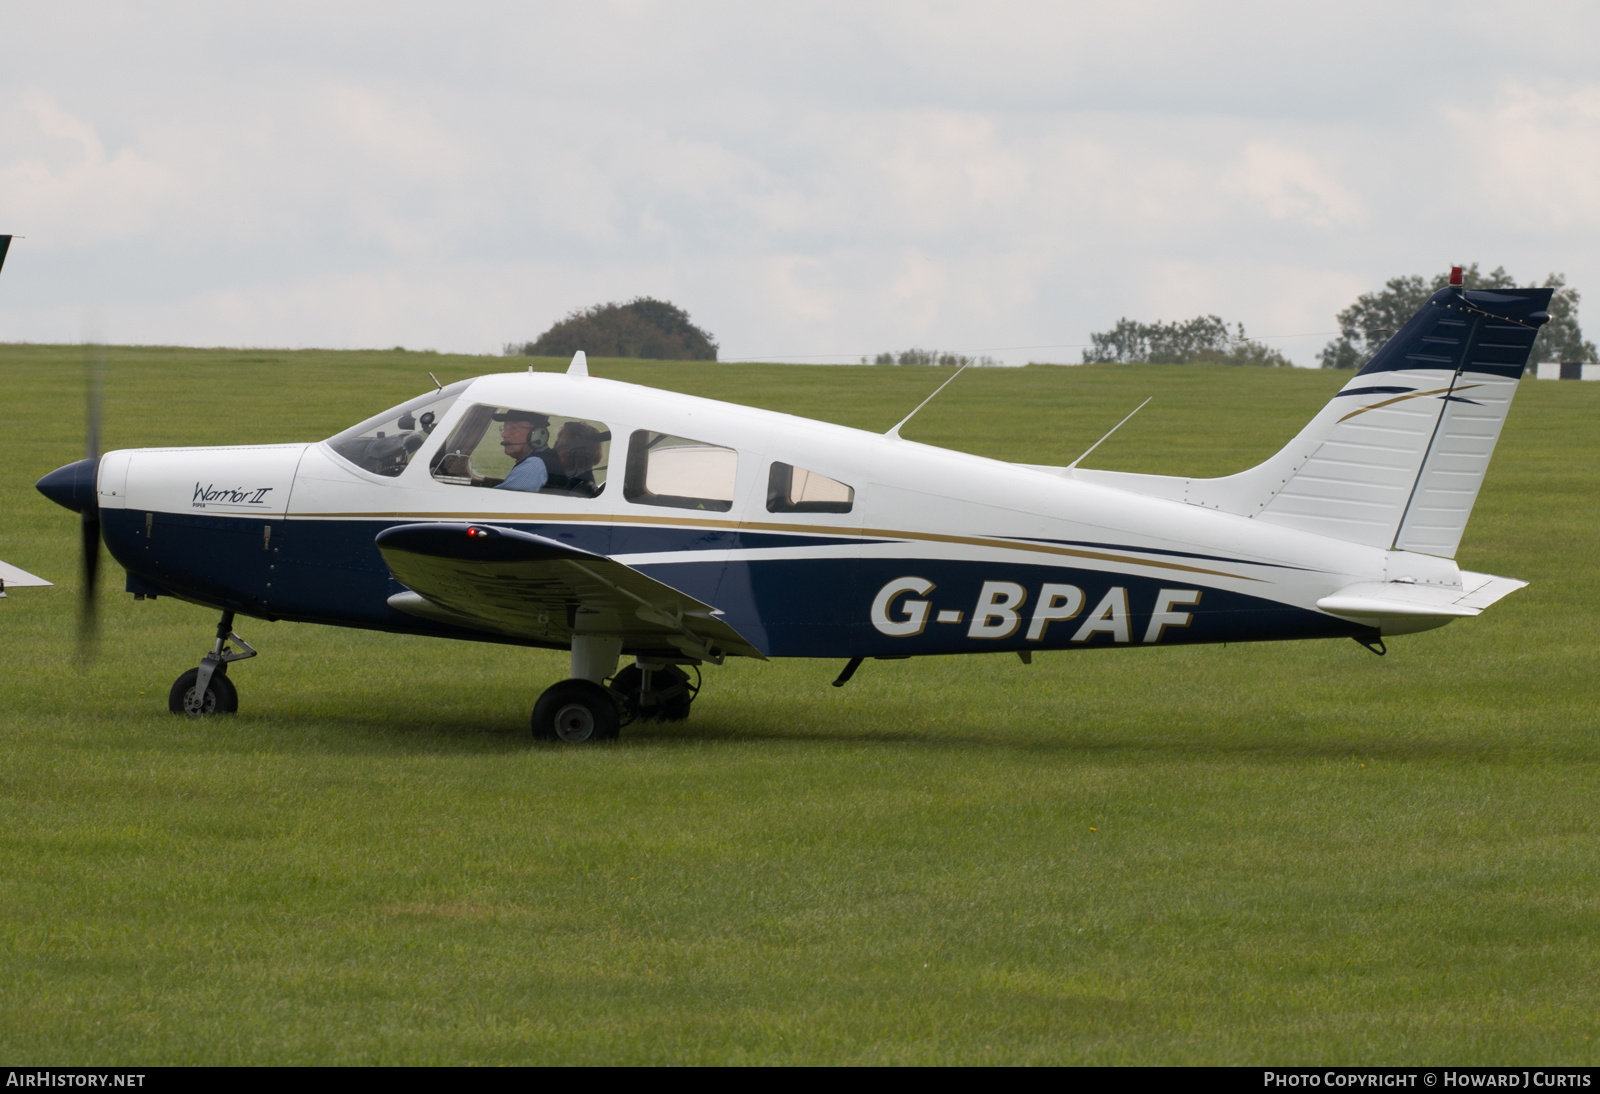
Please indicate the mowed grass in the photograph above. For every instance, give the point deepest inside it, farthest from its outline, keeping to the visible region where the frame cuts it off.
(1294, 853)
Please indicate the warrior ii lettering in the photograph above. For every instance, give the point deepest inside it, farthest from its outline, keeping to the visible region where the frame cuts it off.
(229, 495)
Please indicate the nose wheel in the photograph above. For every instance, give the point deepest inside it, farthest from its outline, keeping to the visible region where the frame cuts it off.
(219, 696)
(206, 689)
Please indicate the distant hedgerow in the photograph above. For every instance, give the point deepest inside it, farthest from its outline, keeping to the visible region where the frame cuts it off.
(943, 358)
(1205, 338)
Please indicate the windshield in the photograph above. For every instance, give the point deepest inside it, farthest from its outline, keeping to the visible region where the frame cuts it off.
(385, 444)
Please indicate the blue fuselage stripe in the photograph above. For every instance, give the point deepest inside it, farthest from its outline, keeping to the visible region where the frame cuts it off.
(330, 571)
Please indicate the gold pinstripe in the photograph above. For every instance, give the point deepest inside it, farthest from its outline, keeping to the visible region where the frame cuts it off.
(1403, 398)
(762, 526)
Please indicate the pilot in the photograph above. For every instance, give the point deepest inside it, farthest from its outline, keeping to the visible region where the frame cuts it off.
(578, 449)
(525, 437)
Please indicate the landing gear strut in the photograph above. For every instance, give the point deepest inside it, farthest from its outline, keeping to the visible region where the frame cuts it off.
(598, 701)
(207, 689)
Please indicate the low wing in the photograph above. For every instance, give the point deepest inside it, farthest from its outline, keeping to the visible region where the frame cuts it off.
(11, 576)
(526, 586)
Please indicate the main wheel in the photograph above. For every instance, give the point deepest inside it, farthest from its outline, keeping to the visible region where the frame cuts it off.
(576, 711)
(669, 698)
(221, 696)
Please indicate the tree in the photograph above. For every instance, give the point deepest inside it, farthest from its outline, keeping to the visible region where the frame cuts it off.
(1374, 317)
(944, 358)
(1561, 339)
(643, 327)
(1205, 338)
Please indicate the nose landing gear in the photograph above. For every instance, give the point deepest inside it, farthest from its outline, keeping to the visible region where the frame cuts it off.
(207, 689)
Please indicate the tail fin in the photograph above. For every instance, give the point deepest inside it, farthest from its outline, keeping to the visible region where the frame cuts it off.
(1396, 458)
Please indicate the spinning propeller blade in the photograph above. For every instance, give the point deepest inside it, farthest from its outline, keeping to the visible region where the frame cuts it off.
(89, 539)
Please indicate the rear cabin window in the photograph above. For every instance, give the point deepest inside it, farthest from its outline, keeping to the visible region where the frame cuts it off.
(528, 451)
(793, 489)
(679, 473)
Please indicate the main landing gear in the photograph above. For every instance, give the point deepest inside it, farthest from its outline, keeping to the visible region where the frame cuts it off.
(598, 701)
(207, 689)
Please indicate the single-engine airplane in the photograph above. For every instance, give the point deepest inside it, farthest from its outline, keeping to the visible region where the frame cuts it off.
(569, 511)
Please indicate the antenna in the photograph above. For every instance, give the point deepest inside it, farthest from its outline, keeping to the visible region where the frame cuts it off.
(1110, 431)
(436, 382)
(579, 366)
(895, 432)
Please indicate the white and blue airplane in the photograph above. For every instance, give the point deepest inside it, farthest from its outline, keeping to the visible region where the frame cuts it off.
(613, 520)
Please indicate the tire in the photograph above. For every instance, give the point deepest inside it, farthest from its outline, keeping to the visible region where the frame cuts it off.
(221, 696)
(675, 708)
(576, 711)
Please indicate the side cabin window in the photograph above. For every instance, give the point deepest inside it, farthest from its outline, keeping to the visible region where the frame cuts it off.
(385, 444)
(679, 473)
(793, 489)
(531, 451)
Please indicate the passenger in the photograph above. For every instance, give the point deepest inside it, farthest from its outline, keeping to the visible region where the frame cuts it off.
(525, 437)
(578, 447)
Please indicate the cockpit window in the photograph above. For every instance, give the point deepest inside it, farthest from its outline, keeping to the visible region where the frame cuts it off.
(679, 473)
(793, 489)
(533, 451)
(385, 444)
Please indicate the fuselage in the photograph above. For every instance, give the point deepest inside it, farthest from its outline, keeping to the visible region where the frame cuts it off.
(937, 552)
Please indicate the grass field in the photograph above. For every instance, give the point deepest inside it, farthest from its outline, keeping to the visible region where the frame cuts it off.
(1293, 853)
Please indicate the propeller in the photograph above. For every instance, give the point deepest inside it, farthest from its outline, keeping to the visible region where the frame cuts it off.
(89, 525)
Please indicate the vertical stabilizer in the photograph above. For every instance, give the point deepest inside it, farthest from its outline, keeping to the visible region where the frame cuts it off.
(1396, 458)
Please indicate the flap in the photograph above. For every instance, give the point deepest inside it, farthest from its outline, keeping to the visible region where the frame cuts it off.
(519, 584)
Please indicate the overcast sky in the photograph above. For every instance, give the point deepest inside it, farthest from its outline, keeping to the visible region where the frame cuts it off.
(805, 179)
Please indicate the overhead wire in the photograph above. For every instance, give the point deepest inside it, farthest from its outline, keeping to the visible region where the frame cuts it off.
(780, 357)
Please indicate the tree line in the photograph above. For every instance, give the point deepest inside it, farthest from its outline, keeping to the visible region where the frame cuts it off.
(942, 358)
(1368, 323)
(1203, 339)
(1363, 329)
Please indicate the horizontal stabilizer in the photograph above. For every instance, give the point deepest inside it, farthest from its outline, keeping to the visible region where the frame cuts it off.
(516, 583)
(1392, 599)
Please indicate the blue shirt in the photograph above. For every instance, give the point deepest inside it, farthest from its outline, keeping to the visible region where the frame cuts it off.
(529, 475)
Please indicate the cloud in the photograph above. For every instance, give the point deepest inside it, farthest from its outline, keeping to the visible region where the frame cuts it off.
(59, 180)
(1291, 184)
(824, 179)
(1538, 155)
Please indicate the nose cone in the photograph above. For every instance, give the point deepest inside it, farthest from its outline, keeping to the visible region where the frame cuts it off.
(71, 486)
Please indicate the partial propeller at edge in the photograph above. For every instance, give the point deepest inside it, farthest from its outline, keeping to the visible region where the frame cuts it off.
(94, 365)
